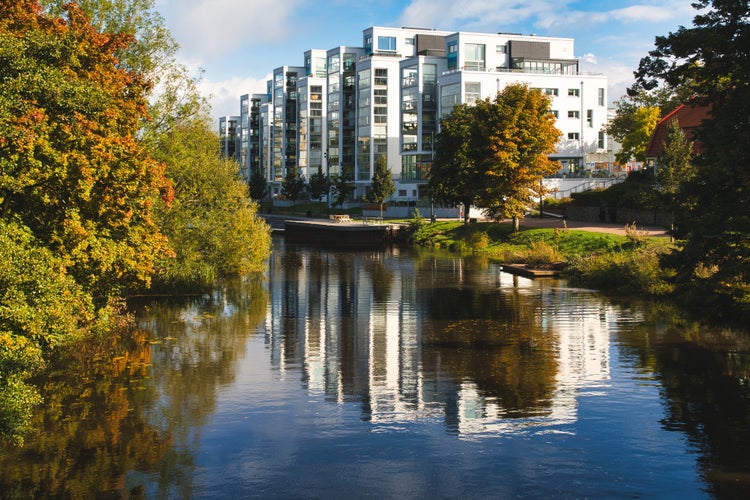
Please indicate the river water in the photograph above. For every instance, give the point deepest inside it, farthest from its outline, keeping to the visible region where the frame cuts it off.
(394, 374)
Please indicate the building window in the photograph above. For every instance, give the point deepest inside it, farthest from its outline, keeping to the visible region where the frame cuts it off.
(402, 193)
(387, 43)
(574, 92)
(573, 136)
(601, 97)
(409, 41)
(472, 92)
(381, 77)
(602, 143)
(409, 77)
(552, 92)
(501, 49)
(574, 114)
(555, 114)
(452, 56)
(449, 97)
(590, 118)
(474, 56)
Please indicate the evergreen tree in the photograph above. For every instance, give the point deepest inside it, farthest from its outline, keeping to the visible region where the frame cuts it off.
(675, 166)
(319, 184)
(258, 185)
(293, 184)
(715, 226)
(382, 183)
(341, 188)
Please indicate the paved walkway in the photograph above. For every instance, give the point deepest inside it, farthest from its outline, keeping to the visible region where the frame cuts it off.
(598, 227)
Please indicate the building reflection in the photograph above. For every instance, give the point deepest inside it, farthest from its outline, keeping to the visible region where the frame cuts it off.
(450, 339)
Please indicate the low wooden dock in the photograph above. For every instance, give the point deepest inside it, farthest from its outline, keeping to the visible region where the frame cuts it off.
(340, 234)
(528, 272)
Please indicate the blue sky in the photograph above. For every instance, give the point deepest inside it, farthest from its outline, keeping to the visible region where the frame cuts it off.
(238, 43)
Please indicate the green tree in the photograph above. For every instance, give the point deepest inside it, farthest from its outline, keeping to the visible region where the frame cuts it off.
(293, 184)
(627, 126)
(341, 188)
(258, 185)
(382, 183)
(493, 154)
(41, 307)
(715, 227)
(635, 140)
(675, 166)
(453, 176)
(211, 222)
(319, 184)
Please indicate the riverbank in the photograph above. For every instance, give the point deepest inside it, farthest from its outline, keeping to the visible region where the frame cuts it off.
(616, 259)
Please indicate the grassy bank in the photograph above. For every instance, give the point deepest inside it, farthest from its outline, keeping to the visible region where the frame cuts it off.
(613, 263)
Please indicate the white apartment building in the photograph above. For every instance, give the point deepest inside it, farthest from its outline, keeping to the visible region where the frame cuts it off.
(228, 136)
(248, 155)
(480, 65)
(350, 105)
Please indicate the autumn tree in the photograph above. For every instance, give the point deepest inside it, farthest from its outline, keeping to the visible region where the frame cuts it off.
(494, 153)
(714, 260)
(71, 169)
(382, 183)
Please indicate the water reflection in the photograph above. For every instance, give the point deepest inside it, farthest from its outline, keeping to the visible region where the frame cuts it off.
(434, 336)
(377, 374)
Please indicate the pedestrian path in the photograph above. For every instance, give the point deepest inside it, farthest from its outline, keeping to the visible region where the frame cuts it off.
(598, 227)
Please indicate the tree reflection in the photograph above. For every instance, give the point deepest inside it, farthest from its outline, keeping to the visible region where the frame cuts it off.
(91, 428)
(705, 372)
(121, 414)
(509, 357)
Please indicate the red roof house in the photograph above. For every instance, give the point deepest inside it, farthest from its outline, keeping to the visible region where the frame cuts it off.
(689, 116)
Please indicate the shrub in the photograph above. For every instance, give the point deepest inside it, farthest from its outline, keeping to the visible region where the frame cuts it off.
(629, 272)
(541, 254)
(635, 235)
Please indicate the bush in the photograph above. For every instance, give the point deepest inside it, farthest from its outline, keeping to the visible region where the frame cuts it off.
(628, 272)
(542, 255)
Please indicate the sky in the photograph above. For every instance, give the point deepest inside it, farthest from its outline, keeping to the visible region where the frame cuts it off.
(236, 44)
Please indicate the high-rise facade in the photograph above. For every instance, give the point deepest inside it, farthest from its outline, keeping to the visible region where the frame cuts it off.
(229, 137)
(249, 133)
(350, 106)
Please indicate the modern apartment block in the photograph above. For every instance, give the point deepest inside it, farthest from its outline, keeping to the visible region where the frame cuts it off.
(248, 155)
(228, 136)
(349, 106)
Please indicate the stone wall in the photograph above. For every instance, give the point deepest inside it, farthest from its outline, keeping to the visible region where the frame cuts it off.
(619, 215)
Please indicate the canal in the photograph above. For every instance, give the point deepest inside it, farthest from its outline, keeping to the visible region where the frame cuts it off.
(394, 374)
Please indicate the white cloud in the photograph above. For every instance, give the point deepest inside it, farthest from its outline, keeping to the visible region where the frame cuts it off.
(470, 15)
(619, 75)
(225, 95)
(212, 28)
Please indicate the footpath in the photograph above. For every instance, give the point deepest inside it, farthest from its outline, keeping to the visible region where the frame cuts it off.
(597, 227)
